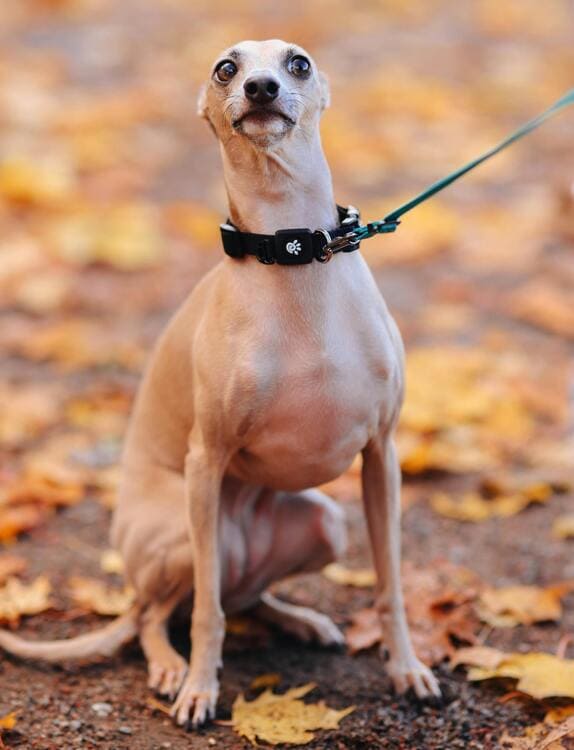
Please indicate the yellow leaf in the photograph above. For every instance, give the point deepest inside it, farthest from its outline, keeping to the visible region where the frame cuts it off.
(38, 182)
(111, 562)
(7, 722)
(95, 596)
(126, 236)
(472, 507)
(539, 675)
(11, 565)
(284, 718)
(563, 527)
(17, 599)
(360, 578)
(521, 605)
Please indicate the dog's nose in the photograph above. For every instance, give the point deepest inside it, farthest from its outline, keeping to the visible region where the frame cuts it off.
(261, 89)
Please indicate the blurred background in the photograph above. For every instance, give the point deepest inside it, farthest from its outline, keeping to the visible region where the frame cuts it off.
(111, 195)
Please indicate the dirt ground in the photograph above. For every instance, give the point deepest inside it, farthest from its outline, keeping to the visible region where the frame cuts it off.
(169, 159)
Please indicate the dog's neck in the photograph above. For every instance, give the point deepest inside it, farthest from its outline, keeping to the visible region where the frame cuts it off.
(286, 187)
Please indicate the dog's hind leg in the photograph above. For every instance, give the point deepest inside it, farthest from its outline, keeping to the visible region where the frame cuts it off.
(166, 668)
(310, 533)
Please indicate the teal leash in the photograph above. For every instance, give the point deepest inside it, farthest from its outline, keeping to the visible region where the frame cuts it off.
(392, 220)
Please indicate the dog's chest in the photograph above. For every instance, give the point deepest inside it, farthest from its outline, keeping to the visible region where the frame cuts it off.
(321, 403)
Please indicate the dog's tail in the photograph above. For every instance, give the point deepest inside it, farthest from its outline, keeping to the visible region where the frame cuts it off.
(99, 644)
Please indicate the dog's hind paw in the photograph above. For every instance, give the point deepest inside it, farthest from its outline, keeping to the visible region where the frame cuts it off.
(195, 703)
(167, 678)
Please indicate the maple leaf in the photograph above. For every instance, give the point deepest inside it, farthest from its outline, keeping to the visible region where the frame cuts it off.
(284, 718)
(439, 603)
(17, 599)
(539, 675)
(95, 596)
(522, 605)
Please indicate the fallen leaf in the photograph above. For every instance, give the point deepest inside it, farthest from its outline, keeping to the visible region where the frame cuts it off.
(53, 488)
(563, 527)
(360, 578)
(265, 681)
(522, 605)
(112, 562)
(284, 718)
(543, 736)
(18, 519)
(11, 565)
(18, 599)
(8, 721)
(539, 675)
(95, 596)
(28, 180)
(474, 508)
(439, 603)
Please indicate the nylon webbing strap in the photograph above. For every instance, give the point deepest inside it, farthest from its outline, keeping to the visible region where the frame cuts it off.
(391, 220)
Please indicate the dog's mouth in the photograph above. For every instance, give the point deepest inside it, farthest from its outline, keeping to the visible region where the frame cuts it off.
(262, 116)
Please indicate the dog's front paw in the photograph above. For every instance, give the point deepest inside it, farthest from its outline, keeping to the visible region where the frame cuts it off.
(196, 702)
(409, 672)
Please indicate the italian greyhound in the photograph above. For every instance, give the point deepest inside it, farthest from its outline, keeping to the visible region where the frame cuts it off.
(268, 381)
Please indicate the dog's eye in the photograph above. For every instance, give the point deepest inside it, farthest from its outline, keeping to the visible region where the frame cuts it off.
(299, 66)
(225, 71)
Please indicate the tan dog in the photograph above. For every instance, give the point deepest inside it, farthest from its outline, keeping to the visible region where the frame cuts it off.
(268, 381)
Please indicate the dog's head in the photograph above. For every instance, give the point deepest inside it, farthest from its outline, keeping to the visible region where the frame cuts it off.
(263, 91)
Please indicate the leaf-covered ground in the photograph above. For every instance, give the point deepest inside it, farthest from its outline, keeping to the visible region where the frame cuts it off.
(110, 198)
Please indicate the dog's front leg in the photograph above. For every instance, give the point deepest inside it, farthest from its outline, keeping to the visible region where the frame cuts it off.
(381, 480)
(197, 698)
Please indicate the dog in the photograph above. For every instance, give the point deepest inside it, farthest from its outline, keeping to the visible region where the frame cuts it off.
(267, 382)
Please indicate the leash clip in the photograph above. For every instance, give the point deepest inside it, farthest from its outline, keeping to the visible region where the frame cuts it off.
(340, 243)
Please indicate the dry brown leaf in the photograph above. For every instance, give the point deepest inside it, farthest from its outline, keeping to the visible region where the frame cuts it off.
(543, 736)
(539, 675)
(265, 681)
(439, 602)
(522, 605)
(95, 596)
(563, 526)
(18, 519)
(360, 578)
(284, 718)
(11, 565)
(18, 599)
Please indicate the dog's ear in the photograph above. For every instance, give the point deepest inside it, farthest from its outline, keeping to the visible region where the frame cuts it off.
(325, 91)
(202, 102)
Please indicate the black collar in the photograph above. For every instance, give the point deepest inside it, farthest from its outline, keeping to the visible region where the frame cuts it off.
(292, 247)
